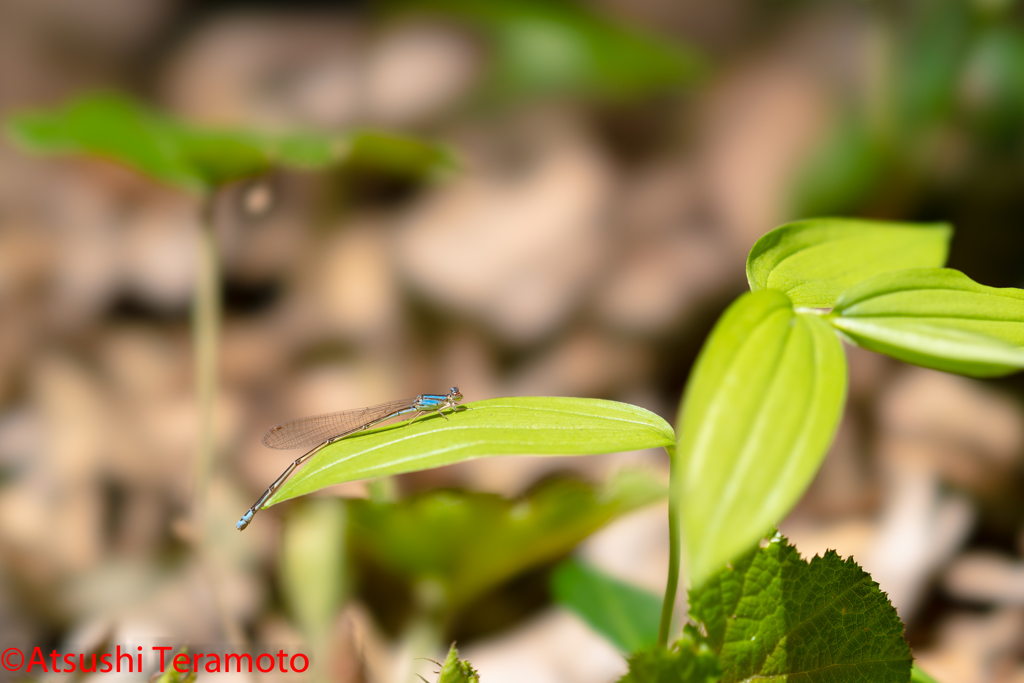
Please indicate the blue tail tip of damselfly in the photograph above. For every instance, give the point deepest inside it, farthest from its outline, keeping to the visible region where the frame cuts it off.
(244, 521)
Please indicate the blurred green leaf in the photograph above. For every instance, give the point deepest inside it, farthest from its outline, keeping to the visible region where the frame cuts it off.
(528, 425)
(938, 318)
(993, 90)
(844, 170)
(687, 661)
(313, 565)
(758, 414)
(928, 60)
(119, 129)
(455, 670)
(773, 616)
(919, 676)
(626, 615)
(172, 675)
(815, 260)
(559, 47)
(469, 543)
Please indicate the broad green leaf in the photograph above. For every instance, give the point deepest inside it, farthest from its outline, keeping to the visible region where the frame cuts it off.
(938, 318)
(687, 661)
(313, 565)
(626, 615)
(119, 129)
(771, 616)
(469, 543)
(919, 676)
(527, 425)
(815, 260)
(543, 47)
(758, 414)
(455, 670)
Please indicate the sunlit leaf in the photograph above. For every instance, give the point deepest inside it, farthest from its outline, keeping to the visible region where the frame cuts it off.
(528, 425)
(116, 128)
(938, 318)
(559, 47)
(626, 615)
(313, 564)
(771, 616)
(815, 260)
(758, 414)
(468, 543)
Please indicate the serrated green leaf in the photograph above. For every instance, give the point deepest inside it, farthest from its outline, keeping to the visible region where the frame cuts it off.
(815, 260)
(686, 661)
(313, 565)
(772, 616)
(116, 128)
(917, 675)
(528, 425)
(468, 543)
(626, 615)
(758, 414)
(938, 318)
(455, 670)
(542, 47)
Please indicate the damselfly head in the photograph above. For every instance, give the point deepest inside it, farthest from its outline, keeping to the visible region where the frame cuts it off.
(454, 394)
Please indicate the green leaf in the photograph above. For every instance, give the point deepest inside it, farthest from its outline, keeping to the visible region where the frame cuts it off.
(773, 616)
(455, 670)
(116, 128)
(313, 565)
(815, 260)
(938, 318)
(468, 543)
(687, 661)
(543, 47)
(846, 167)
(172, 675)
(919, 676)
(626, 615)
(527, 425)
(758, 414)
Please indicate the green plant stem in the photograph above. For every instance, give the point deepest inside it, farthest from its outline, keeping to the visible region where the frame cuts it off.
(675, 544)
(206, 311)
(205, 335)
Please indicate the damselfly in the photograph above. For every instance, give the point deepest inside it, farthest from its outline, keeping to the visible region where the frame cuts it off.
(319, 430)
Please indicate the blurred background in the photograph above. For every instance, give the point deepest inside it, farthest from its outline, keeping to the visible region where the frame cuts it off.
(615, 161)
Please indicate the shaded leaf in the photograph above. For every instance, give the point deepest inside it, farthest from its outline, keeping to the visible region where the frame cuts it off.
(116, 128)
(313, 565)
(455, 670)
(558, 47)
(773, 616)
(687, 661)
(758, 414)
(527, 425)
(626, 615)
(938, 318)
(469, 543)
(815, 260)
